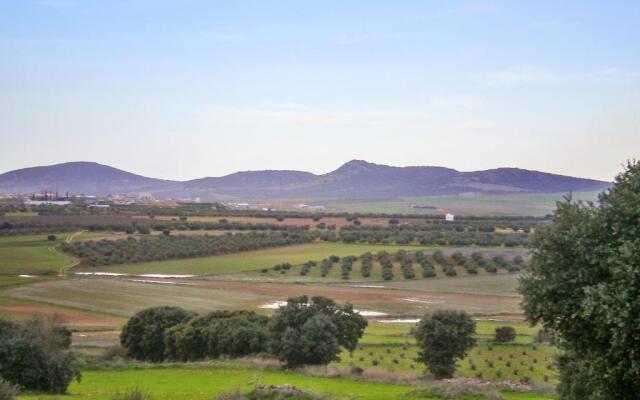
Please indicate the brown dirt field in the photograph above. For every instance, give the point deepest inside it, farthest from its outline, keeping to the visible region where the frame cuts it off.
(69, 318)
(381, 299)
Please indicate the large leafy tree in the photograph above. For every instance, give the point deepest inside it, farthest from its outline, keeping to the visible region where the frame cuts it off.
(584, 285)
(312, 331)
(144, 334)
(218, 333)
(444, 336)
(35, 355)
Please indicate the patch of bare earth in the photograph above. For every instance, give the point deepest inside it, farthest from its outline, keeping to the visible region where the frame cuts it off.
(392, 299)
(68, 317)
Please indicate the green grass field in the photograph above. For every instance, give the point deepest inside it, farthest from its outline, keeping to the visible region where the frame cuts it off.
(530, 204)
(391, 348)
(251, 260)
(32, 260)
(32, 240)
(31, 254)
(500, 284)
(198, 381)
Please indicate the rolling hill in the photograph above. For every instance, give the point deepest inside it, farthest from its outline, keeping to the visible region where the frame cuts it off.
(77, 177)
(355, 179)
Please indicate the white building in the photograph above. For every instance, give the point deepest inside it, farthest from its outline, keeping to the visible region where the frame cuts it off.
(449, 217)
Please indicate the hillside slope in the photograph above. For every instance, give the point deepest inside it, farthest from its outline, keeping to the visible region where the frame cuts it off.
(77, 177)
(355, 179)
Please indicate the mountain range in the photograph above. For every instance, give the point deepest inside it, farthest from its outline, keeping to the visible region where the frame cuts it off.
(355, 179)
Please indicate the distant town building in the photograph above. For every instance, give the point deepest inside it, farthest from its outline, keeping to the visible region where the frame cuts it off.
(47, 202)
(449, 217)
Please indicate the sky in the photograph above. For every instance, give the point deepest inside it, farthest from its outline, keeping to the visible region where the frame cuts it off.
(181, 89)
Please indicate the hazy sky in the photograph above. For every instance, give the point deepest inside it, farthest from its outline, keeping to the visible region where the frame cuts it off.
(183, 89)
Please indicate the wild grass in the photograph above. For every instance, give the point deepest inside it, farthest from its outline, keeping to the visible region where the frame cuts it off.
(32, 260)
(199, 382)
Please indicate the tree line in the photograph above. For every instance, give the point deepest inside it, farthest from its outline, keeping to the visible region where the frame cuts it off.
(305, 331)
(158, 248)
(217, 209)
(407, 261)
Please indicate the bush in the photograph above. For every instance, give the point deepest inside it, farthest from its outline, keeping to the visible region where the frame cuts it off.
(131, 394)
(51, 238)
(271, 393)
(8, 391)
(219, 333)
(455, 391)
(443, 337)
(504, 334)
(144, 334)
(35, 355)
(114, 353)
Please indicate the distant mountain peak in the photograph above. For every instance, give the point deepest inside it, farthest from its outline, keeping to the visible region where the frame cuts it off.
(354, 179)
(357, 165)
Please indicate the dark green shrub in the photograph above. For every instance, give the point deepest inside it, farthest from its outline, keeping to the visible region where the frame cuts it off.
(35, 355)
(144, 334)
(504, 334)
(8, 391)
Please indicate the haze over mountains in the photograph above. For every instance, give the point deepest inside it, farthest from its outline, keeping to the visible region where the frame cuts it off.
(355, 179)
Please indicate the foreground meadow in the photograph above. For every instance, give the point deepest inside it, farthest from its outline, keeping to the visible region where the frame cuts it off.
(203, 381)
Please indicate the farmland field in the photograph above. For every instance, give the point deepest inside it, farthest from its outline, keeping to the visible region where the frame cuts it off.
(251, 260)
(96, 307)
(534, 204)
(123, 296)
(390, 347)
(203, 381)
(36, 260)
(76, 318)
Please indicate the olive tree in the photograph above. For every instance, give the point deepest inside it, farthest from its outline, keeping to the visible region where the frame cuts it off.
(443, 337)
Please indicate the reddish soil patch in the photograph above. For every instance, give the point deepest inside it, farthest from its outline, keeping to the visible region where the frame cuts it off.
(366, 296)
(69, 317)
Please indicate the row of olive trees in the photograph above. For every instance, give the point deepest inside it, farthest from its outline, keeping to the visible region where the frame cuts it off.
(157, 248)
(406, 261)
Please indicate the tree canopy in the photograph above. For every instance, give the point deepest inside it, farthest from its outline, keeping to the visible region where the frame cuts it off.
(144, 334)
(34, 355)
(584, 285)
(312, 331)
(443, 337)
(218, 333)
